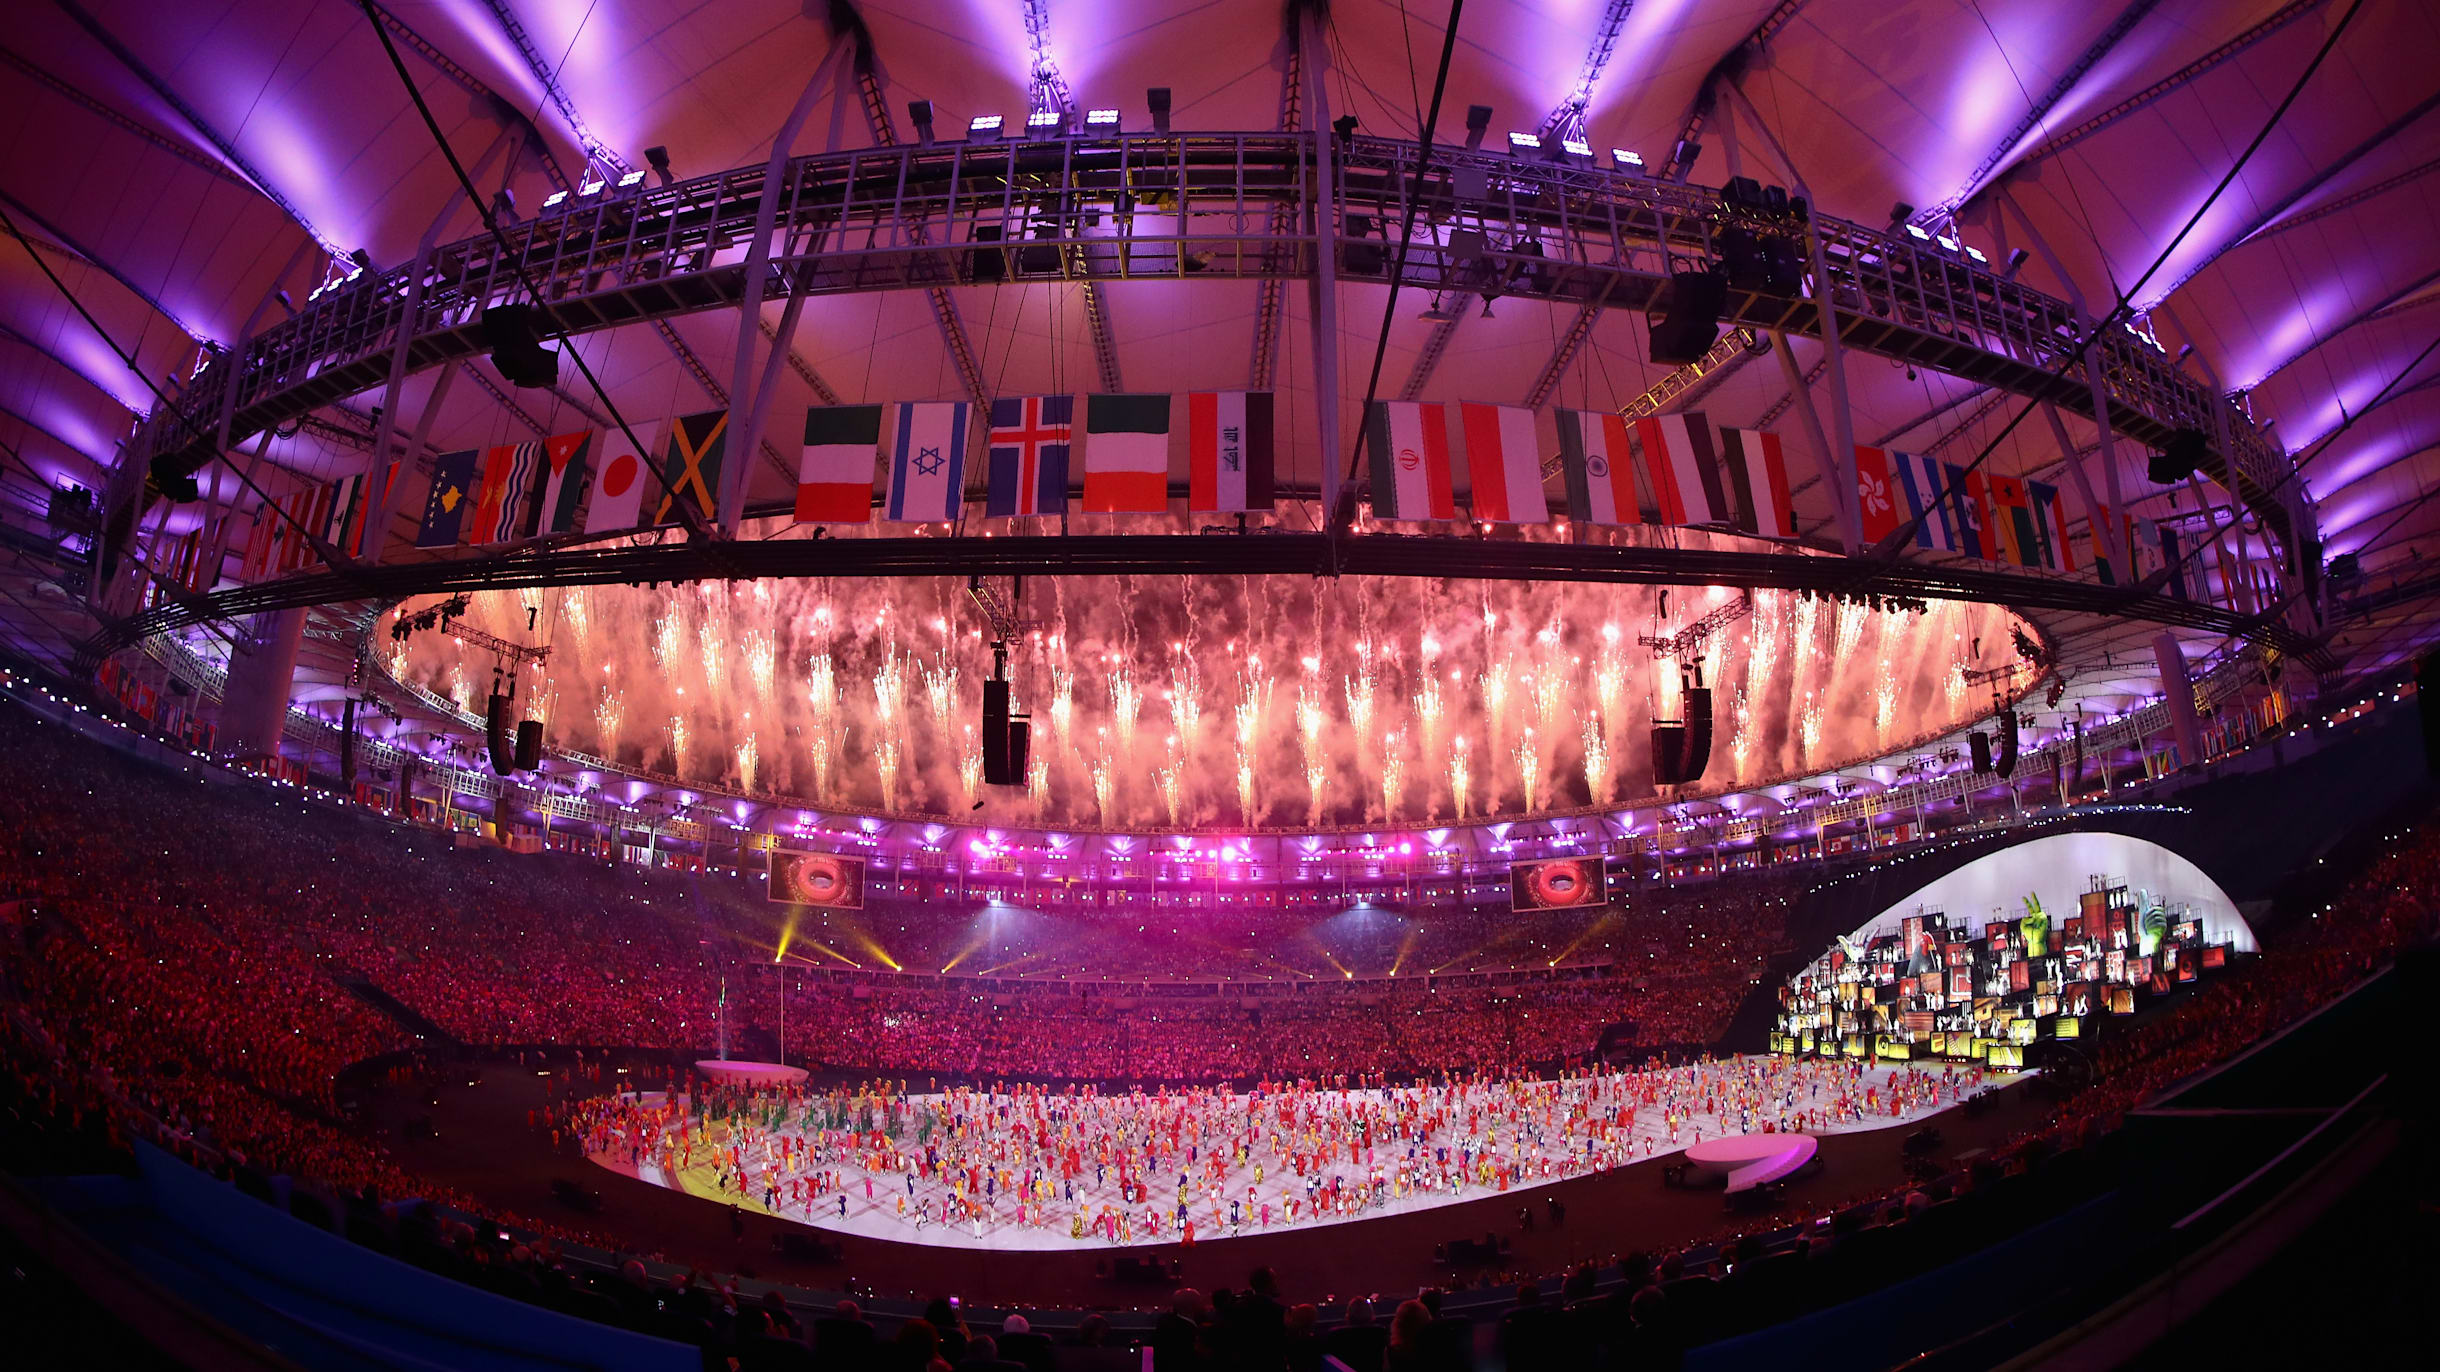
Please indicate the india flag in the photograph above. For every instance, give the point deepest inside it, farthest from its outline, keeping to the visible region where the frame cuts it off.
(1126, 454)
(1600, 480)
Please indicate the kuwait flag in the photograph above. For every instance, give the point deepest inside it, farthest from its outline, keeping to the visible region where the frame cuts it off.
(1593, 454)
(1126, 454)
(618, 497)
(445, 509)
(928, 468)
(1504, 464)
(2050, 519)
(1228, 451)
(1028, 450)
(1683, 470)
(563, 483)
(1410, 460)
(834, 477)
(1759, 474)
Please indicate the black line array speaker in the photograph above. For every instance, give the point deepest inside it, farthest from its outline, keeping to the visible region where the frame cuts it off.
(1980, 742)
(1005, 740)
(529, 744)
(1698, 731)
(1687, 323)
(495, 733)
(515, 350)
(1668, 754)
(2005, 763)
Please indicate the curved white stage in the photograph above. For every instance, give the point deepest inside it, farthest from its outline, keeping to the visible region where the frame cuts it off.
(2057, 869)
(1535, 1133)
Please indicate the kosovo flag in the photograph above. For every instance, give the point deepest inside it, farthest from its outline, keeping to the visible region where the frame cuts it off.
(452, 496)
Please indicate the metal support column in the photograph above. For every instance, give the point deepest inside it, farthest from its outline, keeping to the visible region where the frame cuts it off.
(1800, 396)
(1322, 292)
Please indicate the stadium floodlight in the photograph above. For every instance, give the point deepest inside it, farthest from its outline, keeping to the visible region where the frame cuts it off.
(984, 126)
(1975, 255)
(591, 187)
(1946, 242)
(1521, 143)
(1044, 123)
(1915, 232)
(2016, 263)
(1576, 147)
(657, 157)
(1627, 161)
(919, 112)
(1478, 120)
(1101, 119)
(631, 180)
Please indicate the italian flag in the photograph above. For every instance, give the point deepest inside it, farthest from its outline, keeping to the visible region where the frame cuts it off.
(1504, 464)
(1410, 460)
(834, 478)
(1593, 454)
(1126, 454)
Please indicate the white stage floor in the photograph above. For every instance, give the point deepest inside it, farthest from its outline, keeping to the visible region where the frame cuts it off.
(1498, 1137)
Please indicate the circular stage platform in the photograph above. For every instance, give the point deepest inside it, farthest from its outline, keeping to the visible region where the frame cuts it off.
(1057, 1171)
(1749, 1160)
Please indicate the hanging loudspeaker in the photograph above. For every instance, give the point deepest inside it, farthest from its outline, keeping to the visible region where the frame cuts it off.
(529, 744)
(2006, 762)
(515, 351)
(1698, 732)
(1668, 754)
(1003, 745)
(1980, 742)
(495, 733)
(1686, 326)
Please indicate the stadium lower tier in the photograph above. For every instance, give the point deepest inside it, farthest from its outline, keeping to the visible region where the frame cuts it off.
(1031, 1169)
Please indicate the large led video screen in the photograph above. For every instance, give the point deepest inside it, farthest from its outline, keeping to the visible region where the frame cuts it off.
(826, 879)
(1557, 884)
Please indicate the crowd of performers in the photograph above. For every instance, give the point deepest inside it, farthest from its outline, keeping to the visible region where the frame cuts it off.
(1173, 1165)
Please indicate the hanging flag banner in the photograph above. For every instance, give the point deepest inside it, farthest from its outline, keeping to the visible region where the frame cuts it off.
(562, 488)
(1504, 464)
(346, 494)
(1126, 454)
(1681, 469)
(2012, 516)
(1922, 497)
(501, 494)
(1228, 451)
(1410, 460)
(1593, 457)
(1969, 503)
(450, 501)
(1876, 498)
(928, 467)
(834, 477)
(618, 496)
(1758, 473)
(690, 469)
(2050, 512)
(1031, 437)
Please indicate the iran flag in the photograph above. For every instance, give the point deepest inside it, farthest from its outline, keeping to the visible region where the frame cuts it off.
(1410, 460)
(618, 495)
(1504, 464)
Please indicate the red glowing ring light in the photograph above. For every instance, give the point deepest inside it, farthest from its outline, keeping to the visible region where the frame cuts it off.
(1559, 884)
(817, 879)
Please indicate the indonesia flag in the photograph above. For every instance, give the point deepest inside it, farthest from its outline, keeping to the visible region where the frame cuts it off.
(1126, 454)
(1759, 473)
(1682, 469)
(618, 497)
(834, 477)
(1504, 464)
(1030, 439)
(1593, 454)
(1228, 451)
(1410, 460)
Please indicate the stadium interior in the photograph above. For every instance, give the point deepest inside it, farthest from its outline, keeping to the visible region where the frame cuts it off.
(1294, 685)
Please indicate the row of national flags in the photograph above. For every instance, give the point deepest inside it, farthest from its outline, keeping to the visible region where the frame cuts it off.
(1669, 469)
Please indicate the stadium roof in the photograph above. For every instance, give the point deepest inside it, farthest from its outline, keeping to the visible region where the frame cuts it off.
(172, 164)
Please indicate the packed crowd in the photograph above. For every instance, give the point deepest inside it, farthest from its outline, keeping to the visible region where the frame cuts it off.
(1024, 1166)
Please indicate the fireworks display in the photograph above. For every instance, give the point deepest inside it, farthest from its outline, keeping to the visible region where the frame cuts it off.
(1401, 700)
